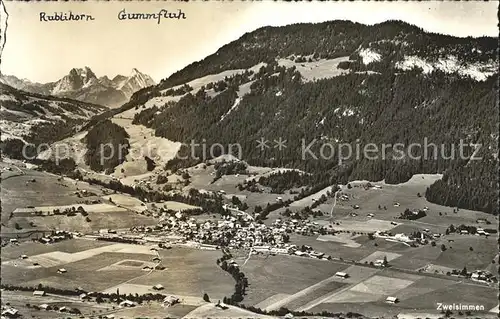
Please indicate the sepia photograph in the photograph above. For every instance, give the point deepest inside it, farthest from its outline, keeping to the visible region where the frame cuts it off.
(240, 159)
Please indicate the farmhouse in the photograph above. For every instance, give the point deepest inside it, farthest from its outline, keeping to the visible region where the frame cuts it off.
(43, 306)
(127, 303)
(170, 300)
(341, 274)
(23, 256)
(39, 293)
(61, 271)
(392, 300)
(378, 263)
(208, 247)
(158, 287)
(10, 313)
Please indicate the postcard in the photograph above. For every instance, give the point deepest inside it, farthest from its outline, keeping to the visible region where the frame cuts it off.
(249, 159)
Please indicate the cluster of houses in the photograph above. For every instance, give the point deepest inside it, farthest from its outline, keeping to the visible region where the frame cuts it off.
(235, 232)
(483, 276)
(55, 237)
(479, 232)
(423, 238)
(168, 301)
(397, 237)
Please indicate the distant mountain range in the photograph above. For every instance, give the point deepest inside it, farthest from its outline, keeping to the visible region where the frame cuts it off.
(83, 85)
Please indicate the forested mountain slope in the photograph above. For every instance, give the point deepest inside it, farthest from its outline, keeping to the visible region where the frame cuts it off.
(344, 83)
(35, 118)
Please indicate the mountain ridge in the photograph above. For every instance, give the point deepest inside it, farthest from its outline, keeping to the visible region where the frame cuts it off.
(34, 118)
(82, 84)
(340, 82)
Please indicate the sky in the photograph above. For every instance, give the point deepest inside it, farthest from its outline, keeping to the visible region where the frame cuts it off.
(46, 51)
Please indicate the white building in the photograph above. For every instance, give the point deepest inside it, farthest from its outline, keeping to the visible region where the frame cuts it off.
(341, 274)
(391, 300)
(127, 303)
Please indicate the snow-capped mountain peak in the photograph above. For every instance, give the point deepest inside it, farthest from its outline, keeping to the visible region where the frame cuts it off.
(134, 82)
(76, 79)
(82, 84)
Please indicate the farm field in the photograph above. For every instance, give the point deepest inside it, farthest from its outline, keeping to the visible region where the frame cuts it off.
(154, 311)
(190, 272)
(406, 195)
(367, 296)
(33, 248)
(187, 271)
(127, 201)
(45, 191)
(210, 311)
(19, 300)
(48, 192)
(78, 223)
(459, 253)
(273, 275)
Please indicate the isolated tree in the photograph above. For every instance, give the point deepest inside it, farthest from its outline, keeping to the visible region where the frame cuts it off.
(464, 271)
(385, 263)
(443, 247)
(206, 298)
